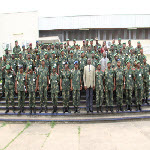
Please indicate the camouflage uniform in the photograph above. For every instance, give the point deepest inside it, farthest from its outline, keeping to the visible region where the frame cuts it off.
(109, 85)
(20, 78)
(76, 77)
(119, 86)
(16, 51)
(99, 88)
(4, 63)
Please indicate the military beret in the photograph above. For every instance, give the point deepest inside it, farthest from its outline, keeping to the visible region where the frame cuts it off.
(12, 53)
(54, 67)
(67, 40)
(23, 46)
(71, 51)
(45, 53)
(138, 42)
(76, 44)
(20, 52)
(30, 67)
(16, 40)
(21, 66)
(66, 62)
(92, 52)
(98, 63)
(124, 43)
(82, 52)
(91, 39)
(43, 60)
(76, 62)
(115, 54)
(30, 44)
(37, 41)
(74, 39)
(35, 48)
(61, 43)
(52, 44)
(6, 49)
(99, 46)
(0, 57)
(129, 40)
(57, 43)
(62, 50)
(87, 39)
(7, 67)
(108, 61)
(64, 43)
(138, 61)
(53, 52)
(119, 38)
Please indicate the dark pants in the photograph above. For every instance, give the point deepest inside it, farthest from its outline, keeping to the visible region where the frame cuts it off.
(89, 99)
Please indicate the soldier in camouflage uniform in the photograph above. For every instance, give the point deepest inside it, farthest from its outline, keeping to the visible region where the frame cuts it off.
(140, 56)
(109, 86)
(76, 86)
(138, 86)
(20, 88)
(29, 62)
(93, 60)
(43, 83)
(128, 85)
(31, 80)
(119, 73)
(137, 49)
(65, 86)
(9, 88)
(53, 62)
(119, 46)
(20, 61)
(99, 78)
(16, 49)
(71, 60)
(146, 72)
(54, 81)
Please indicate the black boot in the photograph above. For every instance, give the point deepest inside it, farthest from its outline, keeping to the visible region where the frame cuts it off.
(127, 108)
(41, 110)
(46, 110)
(75, 109)
(30, 110)
(140, 108)
(137, 108)
(56, 109)
(101, 110)
(130, 107)
(107, 109)
(97, 109)
(146, 101)
(7, 110)
(64, 109)
(121, 108)
(23, 110)
(20, 111)
(34, 110)
(78, 110)
(68, 110)
(3, 95)
(53, 109)
(117, 110)
(13, 109)
(111, 109)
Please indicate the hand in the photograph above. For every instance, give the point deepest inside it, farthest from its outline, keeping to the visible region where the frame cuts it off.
(38, 88)
(60, 88)
(47, 87)
(104, 89)
(16, 91)
(26, 90)
(93, 87)
(124, 86)
(71, 89)
(35, 89)
(85, 87)
(114, 88)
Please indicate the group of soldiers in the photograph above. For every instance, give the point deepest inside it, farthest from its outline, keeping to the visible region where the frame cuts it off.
(120, 69)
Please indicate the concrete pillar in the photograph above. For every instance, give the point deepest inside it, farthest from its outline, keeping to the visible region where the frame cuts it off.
(129, 34)
(134, 34)
(99, 33)
(66, 34)
(110, 35)
(104, 35)
(143, 33)
(62, 38)
(148, 33)
(125, 33)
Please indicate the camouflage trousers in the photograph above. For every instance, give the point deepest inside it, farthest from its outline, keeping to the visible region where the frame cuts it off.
(128, 93)
(65, 96)
(146, 89)
(3, 83)
(54, 97)
(109, 96)
(43, 95)
(119, 94)
(76, 98)
(138, 96)
(31, 99)
(21, 98)
(9, 96)
(99, 97)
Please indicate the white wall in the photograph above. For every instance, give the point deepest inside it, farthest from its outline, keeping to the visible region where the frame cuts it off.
(18, 26)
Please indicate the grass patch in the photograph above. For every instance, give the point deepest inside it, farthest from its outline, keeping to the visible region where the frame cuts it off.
(27, 125)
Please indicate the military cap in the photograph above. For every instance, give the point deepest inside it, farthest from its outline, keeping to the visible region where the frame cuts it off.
(21, 66)
(138, 61)
(6, 49)
(52, 44)
(54, 67)
(89, 45)
(62, 50)
(64, 43)
(30, 44)
(128, 61)
(124, 43)
(118, 59)
(67, 40)
(129, 40)
(53, 52)
(61, 43)
(108, 61)
(138, 42)
(0, 57)
(119, 38)
(76, 62)
(12, 53)
(87, 39)
(35, 48)
(45, 53)
(71, 51)
(115, 54)
(98, 63)
(92, 52)
(82, 52)
(57, 43)
(91, 39)
(16, 40)
(20, 52)
(43, 60)
(37, 41)
(23, 46)
(74, 39)
(76, 44)
(7, 67)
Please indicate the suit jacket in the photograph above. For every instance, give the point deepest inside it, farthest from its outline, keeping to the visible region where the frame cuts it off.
(89, 76)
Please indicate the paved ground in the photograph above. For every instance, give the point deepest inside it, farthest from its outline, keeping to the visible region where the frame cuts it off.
(133, 135)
